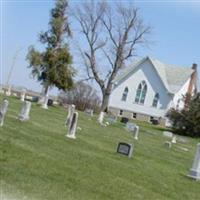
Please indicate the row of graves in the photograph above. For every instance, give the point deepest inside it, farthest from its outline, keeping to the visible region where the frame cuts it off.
(122, 147)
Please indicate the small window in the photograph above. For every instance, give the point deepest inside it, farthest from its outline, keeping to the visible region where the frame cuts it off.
(151, 119)
(134, 115)
(125, 94)
(121, 112)
(155, 100)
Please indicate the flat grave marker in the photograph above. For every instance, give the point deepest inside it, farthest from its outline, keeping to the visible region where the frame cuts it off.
(167, 134)
(125, 149)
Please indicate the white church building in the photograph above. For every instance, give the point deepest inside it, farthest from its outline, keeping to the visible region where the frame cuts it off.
(149, 88)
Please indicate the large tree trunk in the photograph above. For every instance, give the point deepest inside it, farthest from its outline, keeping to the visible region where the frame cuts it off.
(105, 101)
(104, 107)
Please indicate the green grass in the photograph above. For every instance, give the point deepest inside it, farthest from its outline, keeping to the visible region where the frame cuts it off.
(38, 162)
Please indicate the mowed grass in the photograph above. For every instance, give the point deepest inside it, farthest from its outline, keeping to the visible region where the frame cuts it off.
(38, 162)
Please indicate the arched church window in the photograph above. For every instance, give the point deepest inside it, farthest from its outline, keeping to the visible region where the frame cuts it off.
(125, 94)
(141, 93)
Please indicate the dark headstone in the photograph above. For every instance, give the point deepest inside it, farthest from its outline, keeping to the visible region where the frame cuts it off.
(154, 121)
(50, 102)
(125, 149)
(35, 99)
(124, 120)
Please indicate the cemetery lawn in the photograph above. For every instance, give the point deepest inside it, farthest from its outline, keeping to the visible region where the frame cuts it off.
(37, 161)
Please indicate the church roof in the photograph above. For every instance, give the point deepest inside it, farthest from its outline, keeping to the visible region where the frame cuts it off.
(173, 77)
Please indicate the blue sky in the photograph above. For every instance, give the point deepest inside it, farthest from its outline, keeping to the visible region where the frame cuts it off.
(175, 36)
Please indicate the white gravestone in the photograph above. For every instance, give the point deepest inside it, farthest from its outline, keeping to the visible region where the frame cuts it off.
(195, 170)
(3, 110)
(23, 94)
(45, 103)
(167, 134)
(136, 132)
(25, 110)
(101, 116)
(71, 109)
(174, 140)
(72, 127)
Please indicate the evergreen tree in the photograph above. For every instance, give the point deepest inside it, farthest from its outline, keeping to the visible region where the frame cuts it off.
(52, 67)
(187, 121)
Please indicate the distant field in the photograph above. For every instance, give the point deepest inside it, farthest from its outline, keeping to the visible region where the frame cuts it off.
(38, 162)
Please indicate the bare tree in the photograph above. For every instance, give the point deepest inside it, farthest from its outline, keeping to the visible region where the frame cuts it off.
(83, 96)
(112, 34)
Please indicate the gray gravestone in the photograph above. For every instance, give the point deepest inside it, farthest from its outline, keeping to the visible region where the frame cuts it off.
(22, 95)
(25, 110)
(130, 127)
(3, 110)
(168, 144)
(89, 112)
(72, 127)
(133, 128)
(195, 170)
(71, 109)
(112, 119)
(167, 134)
(125, 149)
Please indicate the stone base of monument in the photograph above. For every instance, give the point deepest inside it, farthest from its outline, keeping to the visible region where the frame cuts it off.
(71, 136)
(44, 106)
(194, 175)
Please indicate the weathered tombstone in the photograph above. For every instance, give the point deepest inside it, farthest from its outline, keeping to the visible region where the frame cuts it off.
(3, 110)
(136, 132)
(168, 144)
(89, 112)
(125, 149)
(22, 95)
(151, 133)
(183, 148)
(182, 139)
(195, 170)
(72, 127)
(101, 116)
(167, 134)
(130, 127)
(174, 139)
(45, 103)
(124, 120)
(133, 128)
(112, 119)
(71, 109)
(25, 110)
(8, 90)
